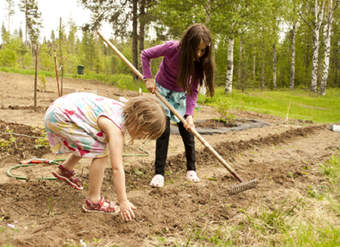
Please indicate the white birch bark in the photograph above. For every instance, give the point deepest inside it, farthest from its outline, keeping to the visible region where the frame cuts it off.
(292, 65)
(318, 14)
(230, 67)
(274, 66)
(327, 38)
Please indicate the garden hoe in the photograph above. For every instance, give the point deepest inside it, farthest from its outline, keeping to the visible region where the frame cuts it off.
(242, 186)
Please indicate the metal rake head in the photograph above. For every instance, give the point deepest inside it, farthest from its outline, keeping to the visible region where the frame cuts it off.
(242, 187)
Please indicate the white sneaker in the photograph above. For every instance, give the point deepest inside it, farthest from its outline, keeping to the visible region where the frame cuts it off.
(157, 181)
(192, 176)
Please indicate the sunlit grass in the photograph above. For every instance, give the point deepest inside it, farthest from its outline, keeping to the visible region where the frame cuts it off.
(293, 104)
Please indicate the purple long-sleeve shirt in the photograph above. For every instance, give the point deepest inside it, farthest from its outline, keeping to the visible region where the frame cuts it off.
(168, 70)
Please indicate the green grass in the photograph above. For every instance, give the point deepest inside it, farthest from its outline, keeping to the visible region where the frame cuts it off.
(297, 103)
(314, 236)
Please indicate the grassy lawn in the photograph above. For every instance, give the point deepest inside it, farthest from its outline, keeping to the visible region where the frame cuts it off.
(296, 104)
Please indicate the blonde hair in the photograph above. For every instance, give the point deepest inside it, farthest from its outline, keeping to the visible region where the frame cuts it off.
(144, 118)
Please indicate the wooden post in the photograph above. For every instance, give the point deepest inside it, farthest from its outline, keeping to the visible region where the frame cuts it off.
(56, 73)
(36, 75)
(61, 58)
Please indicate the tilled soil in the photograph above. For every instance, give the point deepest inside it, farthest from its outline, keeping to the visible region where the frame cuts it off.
(283, 157)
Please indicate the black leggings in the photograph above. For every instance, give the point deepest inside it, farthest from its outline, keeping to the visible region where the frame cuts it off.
(162, 145)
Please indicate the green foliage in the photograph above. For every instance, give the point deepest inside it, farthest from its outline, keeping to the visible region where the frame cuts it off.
(255, 27)
(223, 108)
(32, 19)
(42, 141)
(9, 141)
(8, 57)
(216, 238)
(43, 83)
(309, 235)
(269, 220)
(332, 169)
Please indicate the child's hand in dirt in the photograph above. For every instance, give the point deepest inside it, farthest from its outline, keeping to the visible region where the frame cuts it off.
(126, 210)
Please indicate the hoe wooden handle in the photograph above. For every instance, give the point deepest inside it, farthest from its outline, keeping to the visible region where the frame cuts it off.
(172, 109)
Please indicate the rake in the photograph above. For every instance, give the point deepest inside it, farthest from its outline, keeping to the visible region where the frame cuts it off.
(240, 187)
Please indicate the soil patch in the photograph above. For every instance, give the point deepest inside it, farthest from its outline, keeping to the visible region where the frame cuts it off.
(21, 141)
(284, 156)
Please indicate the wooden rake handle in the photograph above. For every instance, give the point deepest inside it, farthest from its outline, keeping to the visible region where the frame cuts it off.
(172, 109)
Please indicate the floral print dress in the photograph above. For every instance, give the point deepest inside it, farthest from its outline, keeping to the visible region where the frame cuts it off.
(71, 123)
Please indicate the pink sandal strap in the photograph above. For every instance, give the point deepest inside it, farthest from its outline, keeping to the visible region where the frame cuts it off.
(65, 172)
(102, 205)
(68, 177)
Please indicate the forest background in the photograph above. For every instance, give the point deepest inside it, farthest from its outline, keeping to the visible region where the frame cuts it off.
(266, 44)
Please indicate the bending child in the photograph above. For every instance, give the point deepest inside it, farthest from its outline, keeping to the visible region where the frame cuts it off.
(185, 65)
(91, 126)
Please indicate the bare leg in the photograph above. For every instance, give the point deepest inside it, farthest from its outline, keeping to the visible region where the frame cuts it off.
(96, 178)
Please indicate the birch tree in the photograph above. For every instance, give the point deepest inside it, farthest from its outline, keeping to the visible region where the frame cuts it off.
(230, 67)
(319, 7)
(292, 65)
(10, 13)
(232, 18)
(327, 33)
(32, 19)
(291, 16)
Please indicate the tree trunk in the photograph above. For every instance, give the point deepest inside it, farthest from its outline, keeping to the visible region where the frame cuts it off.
(254, 67)
(134, 36)
(230, 67)
(316, 44)
(327, 37)
(36, 75)
(241, 75)
(26, 22)
(239, 69)
(61, 39)
(263, 64)
(274, 66)
(306, 61)
(292, 65)
(141, 35)
(141, 25)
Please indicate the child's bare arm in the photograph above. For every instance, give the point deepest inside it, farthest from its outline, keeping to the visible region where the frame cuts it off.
(116, 142)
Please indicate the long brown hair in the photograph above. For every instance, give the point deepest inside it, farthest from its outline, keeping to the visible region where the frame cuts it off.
(190, 69)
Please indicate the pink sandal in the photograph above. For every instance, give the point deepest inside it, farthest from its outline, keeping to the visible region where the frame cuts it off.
(68, 177)
(102, 206)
